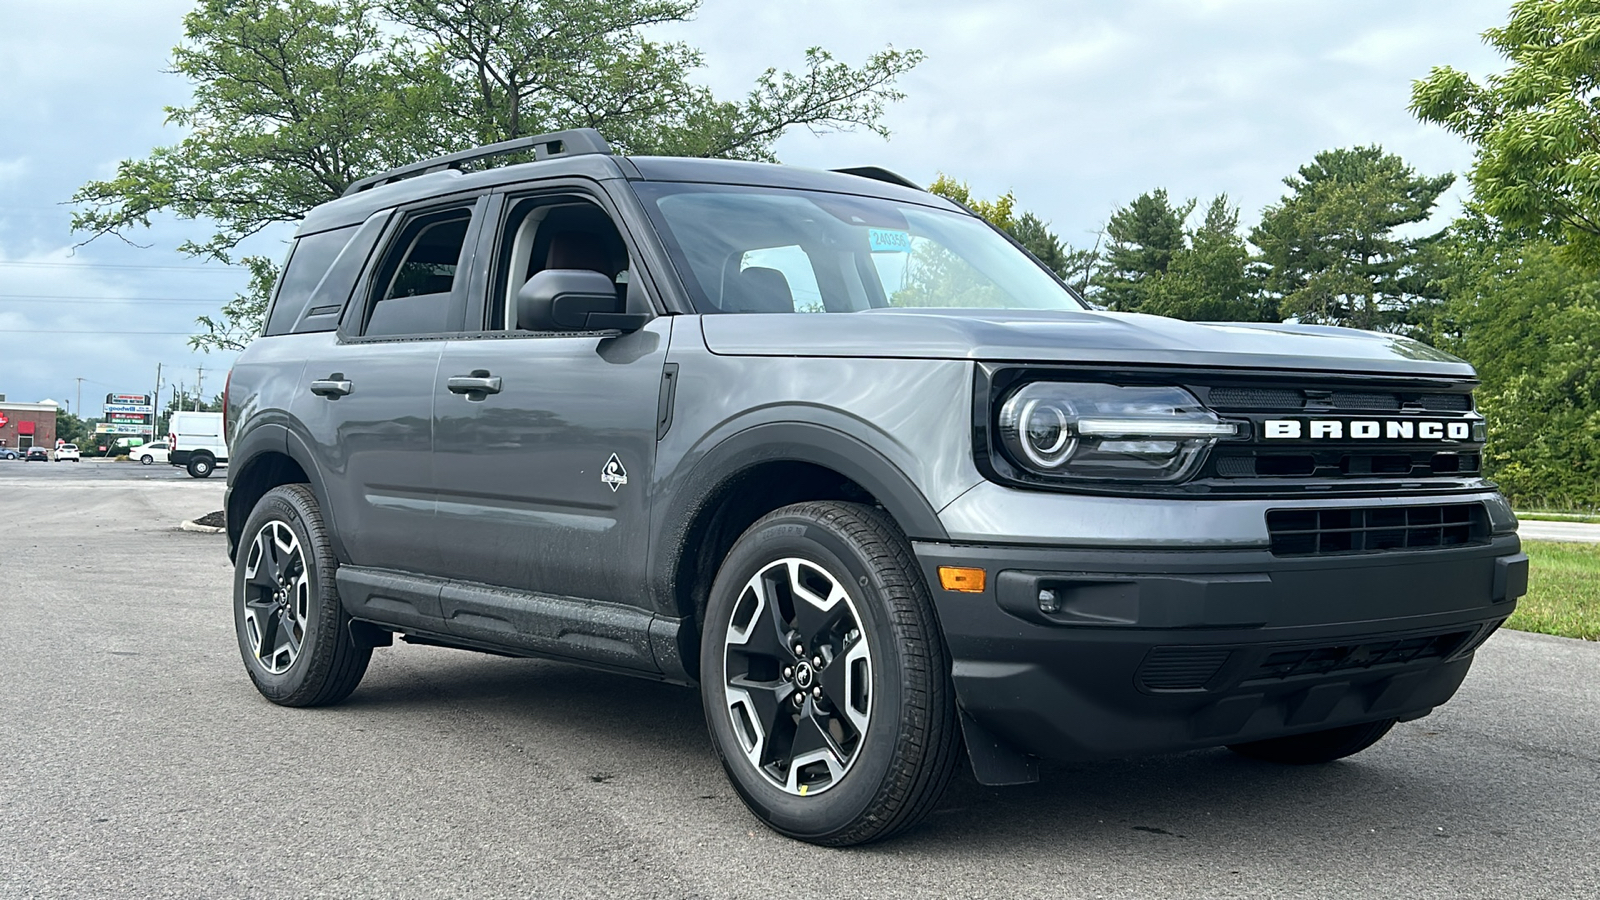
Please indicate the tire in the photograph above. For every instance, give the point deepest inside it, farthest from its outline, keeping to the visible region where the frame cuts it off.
(1318, 746)
(326, 664)
(885, 678)
(201, 466)
(146, 460)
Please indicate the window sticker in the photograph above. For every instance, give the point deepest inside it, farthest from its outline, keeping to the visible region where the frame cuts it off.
(884, 240)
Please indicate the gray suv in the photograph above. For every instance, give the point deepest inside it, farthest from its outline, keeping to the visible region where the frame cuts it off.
(847, 458)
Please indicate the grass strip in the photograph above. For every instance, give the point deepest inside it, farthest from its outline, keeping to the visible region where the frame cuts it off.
(1563, 590)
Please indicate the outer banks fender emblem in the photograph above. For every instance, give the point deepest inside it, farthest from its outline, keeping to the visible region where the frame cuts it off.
(613, 473)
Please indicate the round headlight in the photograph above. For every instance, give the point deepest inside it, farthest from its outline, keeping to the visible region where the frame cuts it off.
(1046, 433)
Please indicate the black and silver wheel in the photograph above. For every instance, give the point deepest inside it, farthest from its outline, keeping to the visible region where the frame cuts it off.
(201, 465)
(146, 460)
(293, 634)
(825, 680)
(1318, 746)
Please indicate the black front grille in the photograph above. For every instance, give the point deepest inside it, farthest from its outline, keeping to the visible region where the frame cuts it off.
(1330, 659)
(1297, 399)
(1338, 463)
(1327, 532)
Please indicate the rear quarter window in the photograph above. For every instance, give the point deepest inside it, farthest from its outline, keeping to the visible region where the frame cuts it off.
(309, 261)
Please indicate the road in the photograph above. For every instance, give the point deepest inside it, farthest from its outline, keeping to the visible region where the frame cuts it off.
(139, 762)
(1572, 532)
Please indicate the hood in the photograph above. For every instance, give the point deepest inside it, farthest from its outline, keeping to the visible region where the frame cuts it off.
(1085, 336)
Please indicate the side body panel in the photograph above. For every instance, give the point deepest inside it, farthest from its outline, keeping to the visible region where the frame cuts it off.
(525, 500)
(373, 445)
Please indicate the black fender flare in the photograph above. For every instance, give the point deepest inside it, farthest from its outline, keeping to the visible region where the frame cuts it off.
(274, 438)
(779, 442)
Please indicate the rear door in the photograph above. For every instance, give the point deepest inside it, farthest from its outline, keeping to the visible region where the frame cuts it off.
(544, 481)
(366, 398)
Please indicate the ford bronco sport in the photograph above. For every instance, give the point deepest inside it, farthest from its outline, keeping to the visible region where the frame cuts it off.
(846, 457)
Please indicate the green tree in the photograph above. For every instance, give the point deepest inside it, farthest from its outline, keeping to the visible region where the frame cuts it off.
(295, 99)
(1210, 278)
(1528, 319)
(1026, 228)
(74, 430)
(1141, 240)
(1536, 126)
(1331, 248)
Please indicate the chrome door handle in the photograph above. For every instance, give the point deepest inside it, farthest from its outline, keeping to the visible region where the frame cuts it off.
(480, 383)
(332, 387)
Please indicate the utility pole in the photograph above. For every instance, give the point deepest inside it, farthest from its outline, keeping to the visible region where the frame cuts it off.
(199, 386)
(79, 405)
(155, 405)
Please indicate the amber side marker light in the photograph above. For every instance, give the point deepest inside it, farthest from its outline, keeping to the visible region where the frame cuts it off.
(956, 578)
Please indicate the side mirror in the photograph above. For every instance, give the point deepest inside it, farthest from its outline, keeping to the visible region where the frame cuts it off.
(573, 300)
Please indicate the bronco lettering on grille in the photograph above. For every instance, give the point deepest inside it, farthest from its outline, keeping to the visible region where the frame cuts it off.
(1366, 430)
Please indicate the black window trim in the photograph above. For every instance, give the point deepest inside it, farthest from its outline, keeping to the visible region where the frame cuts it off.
(487, 258)
(352, 321)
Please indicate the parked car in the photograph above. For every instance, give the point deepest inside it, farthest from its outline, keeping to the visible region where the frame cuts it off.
(839, 452)
(10, 453)
(149, 454)
(38, 454)
(197, 443)
(67, 453)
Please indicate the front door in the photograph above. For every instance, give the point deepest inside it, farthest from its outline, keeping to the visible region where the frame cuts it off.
(544, 442)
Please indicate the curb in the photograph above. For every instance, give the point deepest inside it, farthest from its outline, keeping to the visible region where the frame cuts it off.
(191, 525)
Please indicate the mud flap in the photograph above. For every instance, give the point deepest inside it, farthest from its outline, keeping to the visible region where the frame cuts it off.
(994, 763)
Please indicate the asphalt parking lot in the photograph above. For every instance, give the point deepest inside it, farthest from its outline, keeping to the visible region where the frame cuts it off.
(139, 762)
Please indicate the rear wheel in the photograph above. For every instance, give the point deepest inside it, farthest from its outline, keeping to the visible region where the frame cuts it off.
(1318, 746)
(146, 460)
(201, 465)
(824, 676)
(293, 633)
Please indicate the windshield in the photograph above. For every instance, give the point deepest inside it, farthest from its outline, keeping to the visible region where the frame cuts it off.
(770, 250)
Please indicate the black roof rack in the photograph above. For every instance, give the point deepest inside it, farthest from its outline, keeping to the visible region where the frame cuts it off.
(573, 142)
(880, 174)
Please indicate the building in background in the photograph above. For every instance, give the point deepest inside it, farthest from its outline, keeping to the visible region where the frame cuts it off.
(24, 425)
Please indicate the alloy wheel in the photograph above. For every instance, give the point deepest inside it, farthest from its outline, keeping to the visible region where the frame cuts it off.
(798, 676)
(277, 601)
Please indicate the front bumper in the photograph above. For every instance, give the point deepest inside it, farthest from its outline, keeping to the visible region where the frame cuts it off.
(1156, 651)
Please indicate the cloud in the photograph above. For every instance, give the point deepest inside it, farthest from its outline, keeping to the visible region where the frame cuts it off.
(1077, 106)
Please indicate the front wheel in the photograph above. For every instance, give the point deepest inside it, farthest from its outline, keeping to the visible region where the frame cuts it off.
(824, 676)
(293, 633)
(201, 466)
(1318, 746)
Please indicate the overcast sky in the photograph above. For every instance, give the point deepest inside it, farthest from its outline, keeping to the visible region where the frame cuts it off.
(1076, 106)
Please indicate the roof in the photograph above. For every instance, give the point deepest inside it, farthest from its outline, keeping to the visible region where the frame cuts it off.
(357, 207)
(42, 406)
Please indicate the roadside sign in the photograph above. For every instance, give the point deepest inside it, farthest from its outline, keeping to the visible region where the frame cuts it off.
(135, 399)
(116, 428)
(134, 408)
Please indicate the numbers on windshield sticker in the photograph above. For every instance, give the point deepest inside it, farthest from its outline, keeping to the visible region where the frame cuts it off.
(884, 240)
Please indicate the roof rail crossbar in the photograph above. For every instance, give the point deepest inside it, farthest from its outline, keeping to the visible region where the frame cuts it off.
(573, 142)
(880, 174)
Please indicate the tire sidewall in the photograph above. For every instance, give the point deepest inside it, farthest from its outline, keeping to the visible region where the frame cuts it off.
(842, 804)
(284, 505)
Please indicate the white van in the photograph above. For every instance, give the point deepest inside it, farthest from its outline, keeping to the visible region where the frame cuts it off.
(195, 442)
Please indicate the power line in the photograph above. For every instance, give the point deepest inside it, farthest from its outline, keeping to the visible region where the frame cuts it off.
(64, 331)
(83, 298)
(210, 270)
